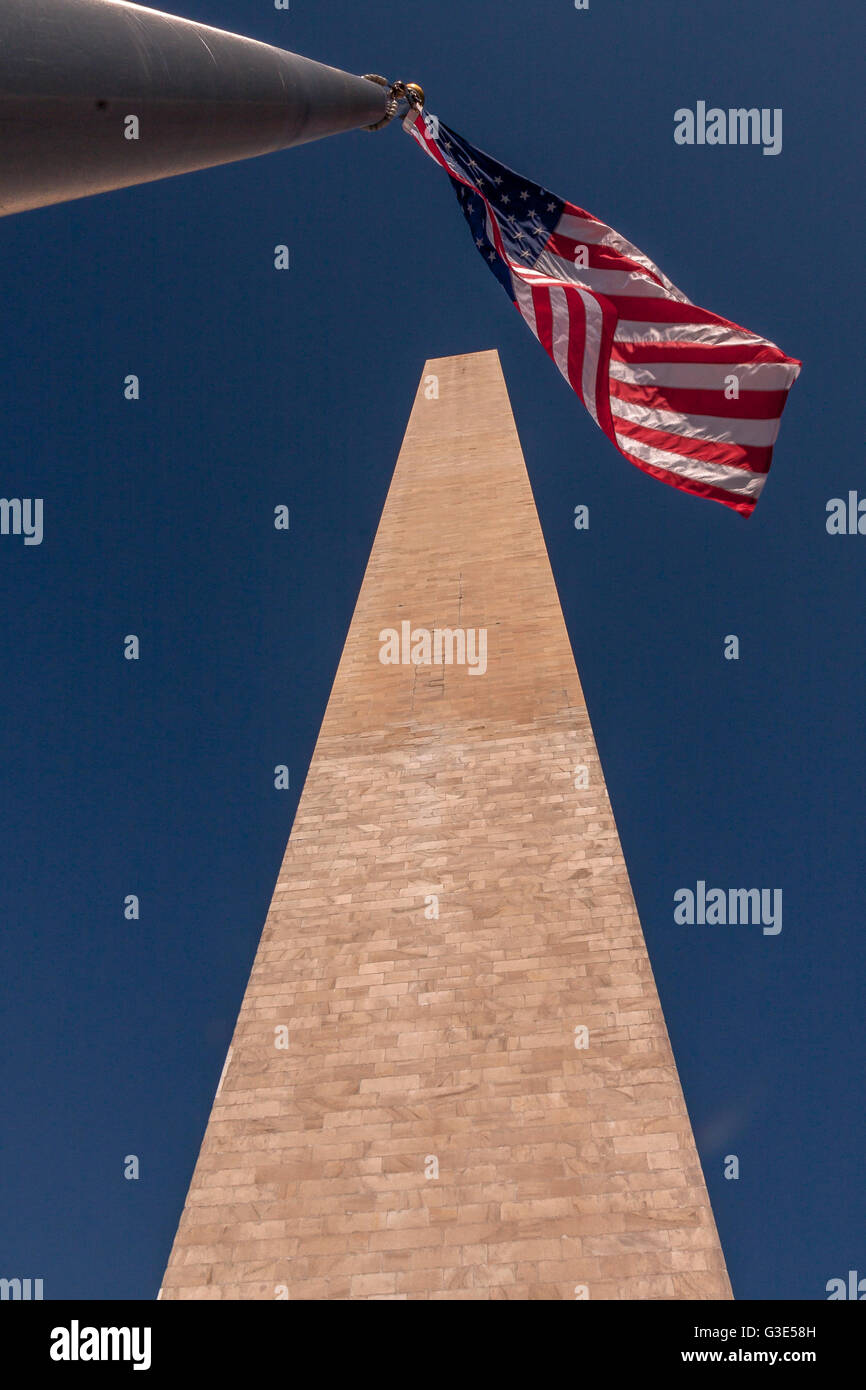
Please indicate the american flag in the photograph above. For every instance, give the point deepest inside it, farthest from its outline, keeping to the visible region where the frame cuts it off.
(686, 396)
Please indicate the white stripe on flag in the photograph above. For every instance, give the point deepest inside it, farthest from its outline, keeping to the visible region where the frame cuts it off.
(591, 350)
(709, 376)
(738, 480)
(697, 334)
(523, 295)
(560, 330)
(628, 282)
(716, 428)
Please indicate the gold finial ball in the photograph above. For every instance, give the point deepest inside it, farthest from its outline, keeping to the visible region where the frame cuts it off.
(415, 93)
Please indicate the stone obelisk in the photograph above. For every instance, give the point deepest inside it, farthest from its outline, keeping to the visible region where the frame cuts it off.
(450, 1077)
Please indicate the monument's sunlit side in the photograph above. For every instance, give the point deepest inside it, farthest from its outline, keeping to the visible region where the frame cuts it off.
(451, 1076)
(99, 94)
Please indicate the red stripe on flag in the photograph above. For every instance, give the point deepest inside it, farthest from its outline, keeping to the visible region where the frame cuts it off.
(602, 388)
(576, 339)
(752, 405)
(600, 257)
(755, 458)
(655, 309)
(569, 210)
(735, 353)
(543, 317)
(737, 503)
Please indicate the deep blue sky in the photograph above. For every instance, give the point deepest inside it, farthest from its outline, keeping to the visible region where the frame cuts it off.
(156, 777)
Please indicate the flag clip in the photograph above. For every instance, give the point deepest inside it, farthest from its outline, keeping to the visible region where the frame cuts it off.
(410, 92)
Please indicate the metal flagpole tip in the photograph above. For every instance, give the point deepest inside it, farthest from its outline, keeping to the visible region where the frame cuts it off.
(98, 95)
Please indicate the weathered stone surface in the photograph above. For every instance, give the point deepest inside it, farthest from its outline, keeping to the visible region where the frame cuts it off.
(415, 1038)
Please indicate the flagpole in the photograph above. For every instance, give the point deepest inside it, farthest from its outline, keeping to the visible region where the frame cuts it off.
(102, 94)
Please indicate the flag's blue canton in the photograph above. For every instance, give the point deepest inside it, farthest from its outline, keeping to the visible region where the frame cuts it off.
(526, 212)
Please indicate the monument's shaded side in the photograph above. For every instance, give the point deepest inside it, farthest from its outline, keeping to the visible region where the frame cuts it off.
(410, 1108)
